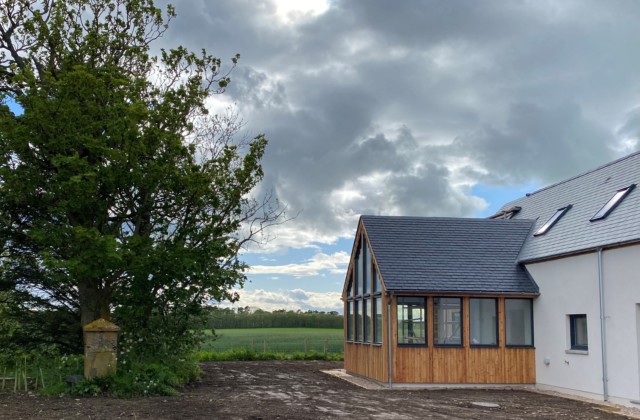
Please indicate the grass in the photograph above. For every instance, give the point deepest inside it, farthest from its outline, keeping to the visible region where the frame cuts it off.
(276, 340)
(247, 354)
(42, 373)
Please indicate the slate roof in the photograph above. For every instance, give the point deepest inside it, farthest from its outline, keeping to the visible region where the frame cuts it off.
(587, 193)
(432, 254)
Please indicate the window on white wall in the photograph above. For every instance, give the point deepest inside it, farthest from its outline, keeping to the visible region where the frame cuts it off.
(578, 332)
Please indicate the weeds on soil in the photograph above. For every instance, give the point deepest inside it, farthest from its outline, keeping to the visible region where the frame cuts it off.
(43, 370)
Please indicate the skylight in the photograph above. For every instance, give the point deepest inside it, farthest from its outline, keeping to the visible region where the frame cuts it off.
(552, 221)
(613, 203)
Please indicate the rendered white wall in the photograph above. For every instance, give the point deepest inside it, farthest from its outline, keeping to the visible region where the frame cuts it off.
(567, 286)
(570, 286)
(622, 293)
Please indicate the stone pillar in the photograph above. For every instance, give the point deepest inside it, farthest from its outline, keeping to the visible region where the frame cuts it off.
(100, 348)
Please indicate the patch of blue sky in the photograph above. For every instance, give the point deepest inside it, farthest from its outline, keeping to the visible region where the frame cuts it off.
(323, 280)
(499, 196)
(13, 106)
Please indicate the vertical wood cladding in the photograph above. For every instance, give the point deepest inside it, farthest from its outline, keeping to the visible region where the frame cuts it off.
(466, 364)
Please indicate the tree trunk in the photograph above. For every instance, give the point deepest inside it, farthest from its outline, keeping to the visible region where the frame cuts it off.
(94, 302)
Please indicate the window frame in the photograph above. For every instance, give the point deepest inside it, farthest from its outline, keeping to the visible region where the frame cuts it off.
(366, 272)
(435, 328)
(425, 332)
(612, 203)
(497, 323)
(363, 294)
(357, 308)
(573, 332)
(546, 227)
(377, 305)
(350, 321)
(506, 331)
(366, 320)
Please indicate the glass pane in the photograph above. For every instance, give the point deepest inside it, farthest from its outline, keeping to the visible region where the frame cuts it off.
(358, 312)
(367, 270)
(483, 322)
(359, 272)
(519, 322)
(612, 203)
(581, 331)
(447, 321)
(367, 320)
(552, 221)
(377, 287)
(350, 320)
(579, 337)
(377, 304)
(411, 321)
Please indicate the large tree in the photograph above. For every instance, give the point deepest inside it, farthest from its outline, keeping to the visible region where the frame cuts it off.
(119, 193)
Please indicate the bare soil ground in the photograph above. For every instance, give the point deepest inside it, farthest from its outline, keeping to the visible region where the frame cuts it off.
(299, 390)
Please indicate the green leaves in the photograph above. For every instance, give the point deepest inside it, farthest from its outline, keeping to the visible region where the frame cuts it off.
(119, 195)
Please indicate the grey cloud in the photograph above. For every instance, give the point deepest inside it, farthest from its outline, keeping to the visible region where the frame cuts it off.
(299, 294)
(546, 144)
(631, 127)
(426, 97)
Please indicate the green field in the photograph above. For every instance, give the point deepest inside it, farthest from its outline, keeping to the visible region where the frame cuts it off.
(285, 340)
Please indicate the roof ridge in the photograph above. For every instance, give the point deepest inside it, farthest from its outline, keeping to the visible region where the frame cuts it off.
(584, 173)
(470, 219)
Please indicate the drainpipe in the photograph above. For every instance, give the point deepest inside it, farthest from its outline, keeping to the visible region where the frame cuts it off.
(603, 335)
(389, 359)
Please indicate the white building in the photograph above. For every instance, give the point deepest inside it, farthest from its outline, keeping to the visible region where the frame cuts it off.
(573, 260)
(584, 255)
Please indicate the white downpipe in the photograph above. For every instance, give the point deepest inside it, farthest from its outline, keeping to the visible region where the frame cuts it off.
(603, 335)
(389, 357)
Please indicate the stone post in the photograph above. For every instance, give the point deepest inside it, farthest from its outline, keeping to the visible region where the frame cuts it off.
(100, 348)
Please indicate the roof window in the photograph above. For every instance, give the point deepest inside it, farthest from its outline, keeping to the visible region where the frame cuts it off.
(552, 221)
(506, 214)
(612, 203)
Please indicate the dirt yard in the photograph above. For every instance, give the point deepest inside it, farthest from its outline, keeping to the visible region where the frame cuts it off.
(299, 390)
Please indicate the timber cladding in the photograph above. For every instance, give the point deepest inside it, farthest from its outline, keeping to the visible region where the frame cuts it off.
(369, 360)
(443, 365)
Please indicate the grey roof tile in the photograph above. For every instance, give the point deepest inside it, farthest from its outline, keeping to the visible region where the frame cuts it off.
(430, 254)
(587, 193)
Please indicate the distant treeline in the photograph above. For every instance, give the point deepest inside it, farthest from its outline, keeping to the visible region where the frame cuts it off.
(222, 318)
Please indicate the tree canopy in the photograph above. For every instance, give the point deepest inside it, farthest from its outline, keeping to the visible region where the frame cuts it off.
(120, 195)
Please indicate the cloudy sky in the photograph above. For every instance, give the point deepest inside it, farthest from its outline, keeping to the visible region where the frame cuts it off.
(424, 108)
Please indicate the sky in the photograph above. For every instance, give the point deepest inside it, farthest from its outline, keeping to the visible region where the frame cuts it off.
(421, 108)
